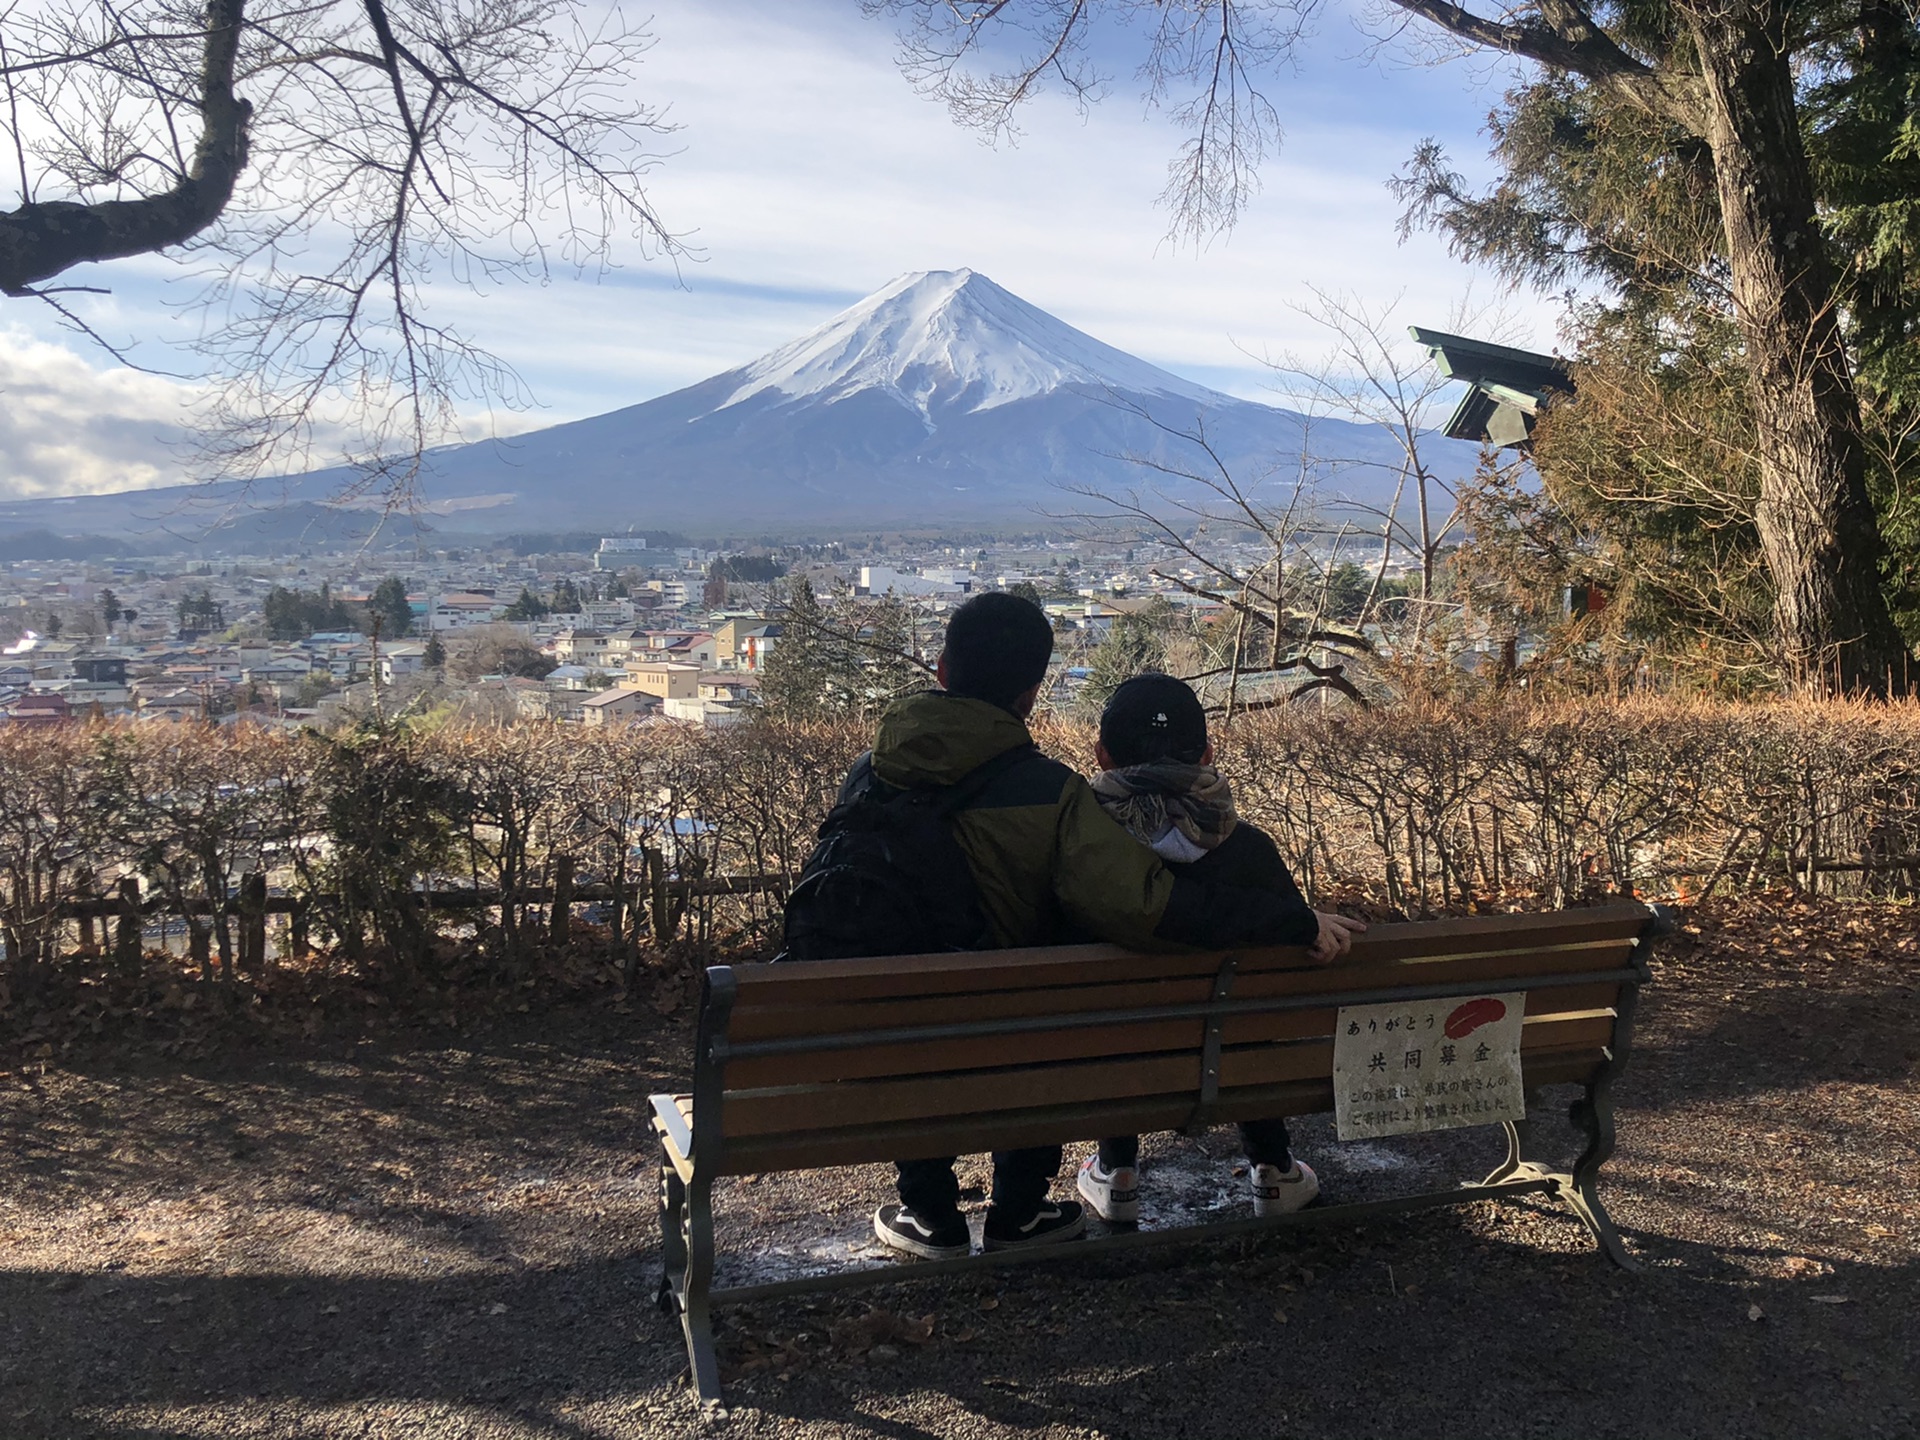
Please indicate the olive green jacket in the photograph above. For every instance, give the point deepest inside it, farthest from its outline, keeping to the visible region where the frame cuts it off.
(1050, 864)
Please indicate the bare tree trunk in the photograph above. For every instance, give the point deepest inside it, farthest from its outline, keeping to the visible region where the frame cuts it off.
(1816, 523)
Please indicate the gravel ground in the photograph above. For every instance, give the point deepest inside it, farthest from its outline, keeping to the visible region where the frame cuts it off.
(424, 1239)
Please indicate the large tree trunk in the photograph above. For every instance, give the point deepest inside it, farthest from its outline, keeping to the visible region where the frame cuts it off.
(1816, 523)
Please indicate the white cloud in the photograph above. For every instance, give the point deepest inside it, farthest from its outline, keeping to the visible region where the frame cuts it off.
(68, 428)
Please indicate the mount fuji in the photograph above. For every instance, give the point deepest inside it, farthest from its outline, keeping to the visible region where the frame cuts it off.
(940, 399)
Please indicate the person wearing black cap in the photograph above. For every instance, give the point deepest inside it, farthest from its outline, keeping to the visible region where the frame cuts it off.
(1157, 779)
(1049, 862)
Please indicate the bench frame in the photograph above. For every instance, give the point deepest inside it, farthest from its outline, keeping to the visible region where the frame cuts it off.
(690, 1158)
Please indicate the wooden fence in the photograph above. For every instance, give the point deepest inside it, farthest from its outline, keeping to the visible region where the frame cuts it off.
(120, 919)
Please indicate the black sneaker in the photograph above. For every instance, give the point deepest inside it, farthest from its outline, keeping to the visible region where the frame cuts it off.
(1051, 1223)
(898, 1228)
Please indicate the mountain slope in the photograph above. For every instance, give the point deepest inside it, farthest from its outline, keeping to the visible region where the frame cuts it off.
(941, 398)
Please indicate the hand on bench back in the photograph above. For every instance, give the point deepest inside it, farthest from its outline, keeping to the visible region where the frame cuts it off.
(1335, 938)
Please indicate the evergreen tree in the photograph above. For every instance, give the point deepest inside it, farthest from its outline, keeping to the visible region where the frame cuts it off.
(1595, 188)
(793, 680)
(528, 607)
(389, 604)
(435, 656)
(891, 670)
(1133, 643)
(296, 614)
(200, 612)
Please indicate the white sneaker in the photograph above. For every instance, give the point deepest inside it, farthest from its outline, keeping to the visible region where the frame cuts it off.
(1281, 1192)
(1114, 1195)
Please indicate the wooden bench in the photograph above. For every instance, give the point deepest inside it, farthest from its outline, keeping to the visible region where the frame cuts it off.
(847, 1062)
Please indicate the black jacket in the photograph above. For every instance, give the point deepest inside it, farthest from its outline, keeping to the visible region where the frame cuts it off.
(1248, 860)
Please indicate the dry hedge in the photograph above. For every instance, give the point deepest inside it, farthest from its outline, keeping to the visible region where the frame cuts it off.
(1415, 810)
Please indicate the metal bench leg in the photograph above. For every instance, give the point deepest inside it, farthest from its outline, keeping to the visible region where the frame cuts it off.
(1580, 1190)
(1519, 1137)
(695, 1318)
(673, 1236)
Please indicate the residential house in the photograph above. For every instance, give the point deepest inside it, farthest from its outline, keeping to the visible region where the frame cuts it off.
(461, 610)
(405, 658)
(757, 644)
(729, 638)
(38, 709)
(53, 659)
(589, 678)
(706, 713)
(618, 706)
(171, 705)
(735, 689)
(594, 648)
(667, 679)
(692, 647)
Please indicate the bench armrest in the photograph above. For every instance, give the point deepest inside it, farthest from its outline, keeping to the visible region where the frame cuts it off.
(1664, 921)
(666, 1115)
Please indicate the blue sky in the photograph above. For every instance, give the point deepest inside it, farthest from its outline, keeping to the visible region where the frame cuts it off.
(806, 173)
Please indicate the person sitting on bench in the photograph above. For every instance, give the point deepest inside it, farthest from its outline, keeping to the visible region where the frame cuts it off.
(1048, 863)
(1157, 779)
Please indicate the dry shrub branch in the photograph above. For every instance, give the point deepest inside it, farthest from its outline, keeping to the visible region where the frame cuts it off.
(1431, 807)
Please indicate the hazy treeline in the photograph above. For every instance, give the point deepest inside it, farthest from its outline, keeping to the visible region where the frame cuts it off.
(1417, 809)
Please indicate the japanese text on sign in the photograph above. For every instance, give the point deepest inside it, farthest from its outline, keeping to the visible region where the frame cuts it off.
(1427, 1065)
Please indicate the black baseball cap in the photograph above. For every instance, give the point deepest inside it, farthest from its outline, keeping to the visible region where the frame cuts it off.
(1154, 717)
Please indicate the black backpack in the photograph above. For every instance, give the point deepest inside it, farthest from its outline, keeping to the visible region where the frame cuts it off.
(887, 876)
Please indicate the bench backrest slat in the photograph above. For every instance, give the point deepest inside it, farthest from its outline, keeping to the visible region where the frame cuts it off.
(1024, 1083)
(917, 976)
(919, 1057)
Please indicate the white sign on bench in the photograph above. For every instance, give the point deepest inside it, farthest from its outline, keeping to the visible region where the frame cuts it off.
(1427, 1065)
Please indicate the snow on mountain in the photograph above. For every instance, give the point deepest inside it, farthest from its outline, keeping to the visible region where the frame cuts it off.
(950, 341)
(941, 399)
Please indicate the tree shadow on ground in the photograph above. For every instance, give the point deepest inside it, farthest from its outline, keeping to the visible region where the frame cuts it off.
(1491, 1340)
(78, 1346)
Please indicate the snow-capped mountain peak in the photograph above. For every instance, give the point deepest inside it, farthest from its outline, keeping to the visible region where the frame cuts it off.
(949, 342)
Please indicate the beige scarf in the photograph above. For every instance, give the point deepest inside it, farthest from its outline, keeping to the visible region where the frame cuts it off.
(1181, 811)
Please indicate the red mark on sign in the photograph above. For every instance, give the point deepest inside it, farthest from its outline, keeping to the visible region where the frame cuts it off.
(1472, 1015)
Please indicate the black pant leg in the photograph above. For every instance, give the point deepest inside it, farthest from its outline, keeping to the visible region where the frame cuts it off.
(1119, 1152)
(929, 1188)
(1021, 1178)
(1266, 1142)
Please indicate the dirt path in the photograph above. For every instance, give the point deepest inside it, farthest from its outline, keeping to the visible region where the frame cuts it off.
(400, 1240)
